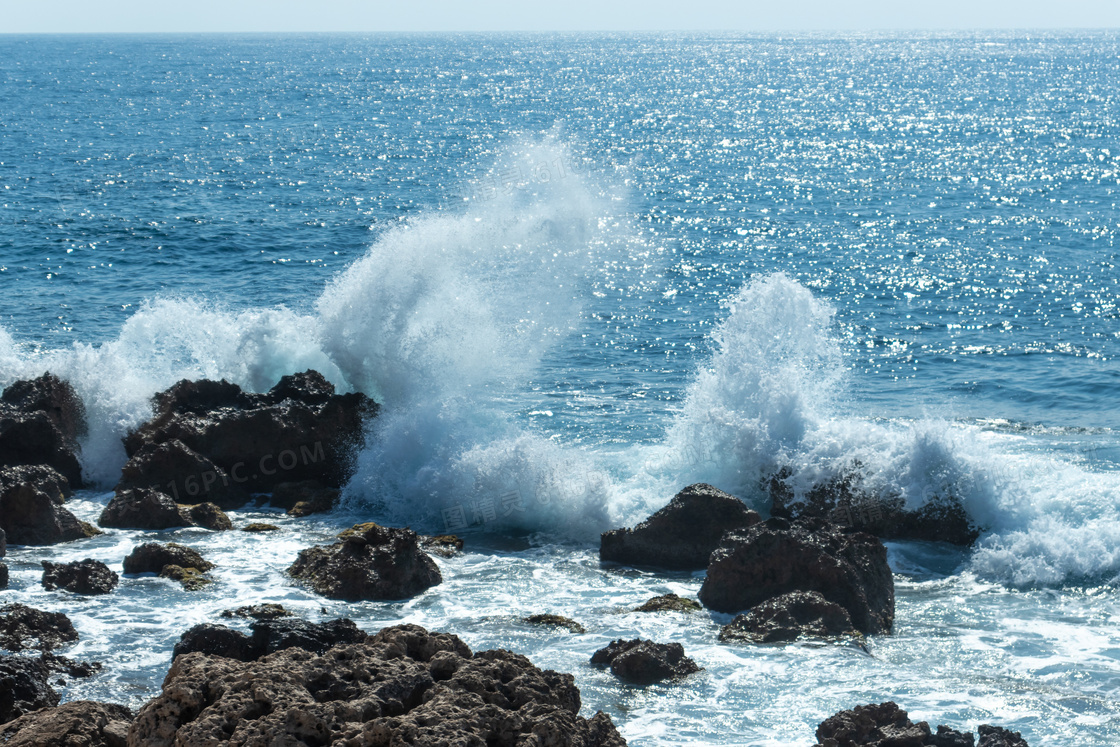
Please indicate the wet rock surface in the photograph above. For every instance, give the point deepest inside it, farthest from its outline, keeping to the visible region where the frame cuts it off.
(145, 508)
(789, 617)
(668, 603)
(32, 510)
(768, 560)
(88, 577)
(231, 443)
(443, 545)
(368, 562)
(403, 685)
(23, 628)
(555, 621)
(845, 500)
(887, 725)
(305, 497)
(80, 723)
(152, 557)
(643, 662)
(41, 421)
(264, 611)
(259, 528)
(269, 635)
(24, 687)
(682, 535)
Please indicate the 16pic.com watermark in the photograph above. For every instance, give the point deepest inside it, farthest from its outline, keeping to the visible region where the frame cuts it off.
(240, 473)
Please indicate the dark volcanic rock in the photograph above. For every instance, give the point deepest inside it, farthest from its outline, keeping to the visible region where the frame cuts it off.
(885, 725)
(555, 621)
(23, 687)
(259, 528)
(216, 640)
(305, 497)
(3, 543)
(141, 509)
(682, 535)
(300, 430)
(188, 477)
(401, 686)
(997, 736)
(266, 611)
(846, 501)
(644, 662)
(3, 576)
(153, 557)
(207, 516)
(20, 625)
(87, 576)
(668, 603)
(368, 562)
(40, 423)
(80, 723)
(767, 560)
(192, 579)
(789, 617)
(31, 510)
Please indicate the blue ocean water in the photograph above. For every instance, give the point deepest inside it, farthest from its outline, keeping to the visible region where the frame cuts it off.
(584, 271)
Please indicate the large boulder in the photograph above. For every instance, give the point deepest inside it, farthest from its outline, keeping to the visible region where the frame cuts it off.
(153, 557)
(146, 508)
(682, 535)
(31, 510)
(401, 686)
(269, 636)
(789, 617)
(768, 560)
(80, 723)
(368, 562)
(233, 443)
(23, 627)
(846, 500)
(89, 577)
(643, 662)
(887, 725)
(41, 421)
(178, 470)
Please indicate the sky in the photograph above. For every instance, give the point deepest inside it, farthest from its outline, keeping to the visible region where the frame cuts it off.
(54, 16)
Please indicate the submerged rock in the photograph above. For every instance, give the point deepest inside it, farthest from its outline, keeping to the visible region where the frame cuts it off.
(234, 443)
(555, 621)
(401, 686)
(444, 545)
(845, 500)
(80, 723)
(643, 662)
(259, 528)
(31, 510)
(887, 725)
(789, 617)
(191, 579)
(264, 611)
(368, 562)
(768, 560)
(668, 603)
(89, 577)
(23, 627)
(682, 535)
(41, 421)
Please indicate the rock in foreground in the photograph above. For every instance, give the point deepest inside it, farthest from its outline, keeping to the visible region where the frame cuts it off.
(81, 723)
(768, 560)
(402, 686)
(682, 535)
(269, 636)
(887, 725)
(40, 423)
(23, 627)
(368, 562)
(89, 577)
(644, 662)
(789, 617)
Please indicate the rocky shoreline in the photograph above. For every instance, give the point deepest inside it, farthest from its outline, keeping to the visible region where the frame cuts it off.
(802, 574)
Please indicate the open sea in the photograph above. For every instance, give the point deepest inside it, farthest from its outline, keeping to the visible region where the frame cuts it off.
(581, 272)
